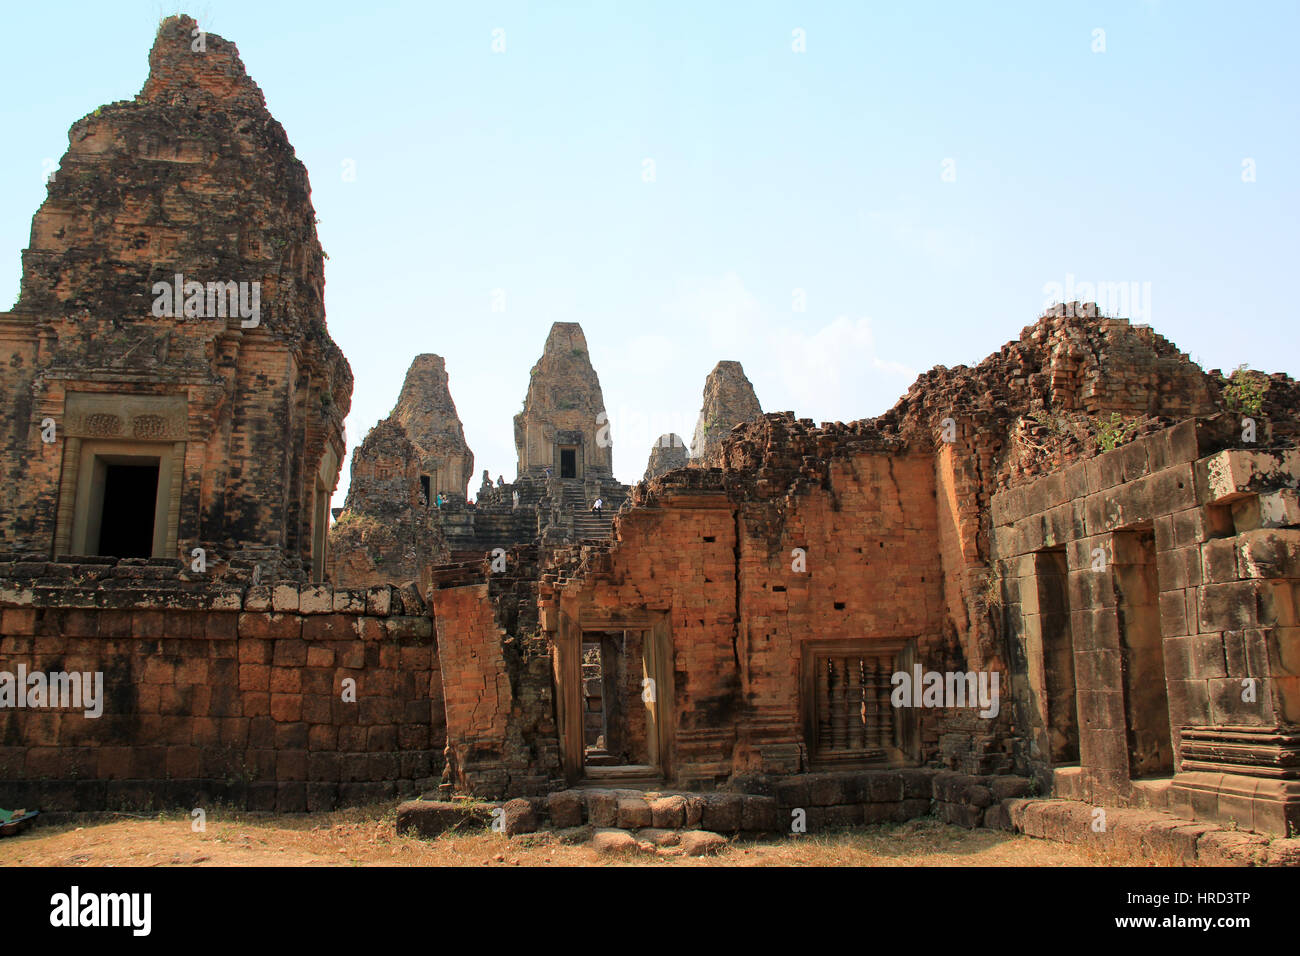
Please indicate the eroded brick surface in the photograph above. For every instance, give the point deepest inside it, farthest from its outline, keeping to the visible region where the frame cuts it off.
(193, 178)
(1086, 515)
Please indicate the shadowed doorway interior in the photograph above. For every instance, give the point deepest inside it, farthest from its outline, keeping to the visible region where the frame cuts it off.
(126, 528)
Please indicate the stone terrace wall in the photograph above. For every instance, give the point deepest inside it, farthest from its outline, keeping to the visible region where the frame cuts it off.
(217, 695)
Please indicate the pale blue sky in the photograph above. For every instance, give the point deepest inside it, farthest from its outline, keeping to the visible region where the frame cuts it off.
(775, 171)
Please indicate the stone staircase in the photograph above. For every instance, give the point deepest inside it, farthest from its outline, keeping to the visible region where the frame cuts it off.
(585, 524)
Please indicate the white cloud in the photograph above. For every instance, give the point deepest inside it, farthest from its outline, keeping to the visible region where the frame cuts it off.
(828, 372)
(834, 373)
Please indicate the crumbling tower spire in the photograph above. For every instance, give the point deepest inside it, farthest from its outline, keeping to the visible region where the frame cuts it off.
(563, 425)
(427, 413)
(172, 315)
(729, 399)
(668, 452)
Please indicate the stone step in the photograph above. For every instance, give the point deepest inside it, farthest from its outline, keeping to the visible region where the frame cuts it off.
(816, 802)
(1171, 838)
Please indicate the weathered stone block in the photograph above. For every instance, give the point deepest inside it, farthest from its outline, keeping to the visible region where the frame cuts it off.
(606, 840)
(658, 837)
(722, 812)
(694, 809)
(602, 807)
(633, 813)
(379, 600)
(284, 597)
(565, 808)
(518, 817)
(702, 842)
(760, 814)
(257, 598)
(828, 789)
(349, 601)
(668, 812)
(428, 818)
(316, 599)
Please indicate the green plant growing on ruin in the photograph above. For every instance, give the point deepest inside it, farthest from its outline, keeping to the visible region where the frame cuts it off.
(1114, 431)
(1245, 390)
(578, 353)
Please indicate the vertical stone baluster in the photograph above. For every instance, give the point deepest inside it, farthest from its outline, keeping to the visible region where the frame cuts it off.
(823, 705)
(839, 705)
(871, 702)
(856, 715)
(885, 665)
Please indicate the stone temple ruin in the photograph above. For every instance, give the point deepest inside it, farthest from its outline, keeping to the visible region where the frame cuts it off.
(1071, 570)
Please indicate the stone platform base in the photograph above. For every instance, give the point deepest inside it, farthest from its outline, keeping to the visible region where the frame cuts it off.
(1160, 836)
(804, 803)
(1251, 803)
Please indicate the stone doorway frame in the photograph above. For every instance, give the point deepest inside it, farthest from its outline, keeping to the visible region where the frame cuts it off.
(577, 460)
(78, 530)
(657, 649)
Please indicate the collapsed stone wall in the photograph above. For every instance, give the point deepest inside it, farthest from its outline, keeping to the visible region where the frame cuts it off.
(216, 694)
(915, 484)
(499, 701)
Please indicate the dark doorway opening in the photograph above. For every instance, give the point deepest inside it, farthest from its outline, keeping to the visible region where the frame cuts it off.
(568, 463)
(1052, 573)
(1146, 700)
(127, 523)
(595, 717)
(424, 490)
(618, 709)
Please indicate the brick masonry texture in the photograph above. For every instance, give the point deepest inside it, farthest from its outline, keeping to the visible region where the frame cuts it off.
(192, 177)
(1086, 514)
(220, 699)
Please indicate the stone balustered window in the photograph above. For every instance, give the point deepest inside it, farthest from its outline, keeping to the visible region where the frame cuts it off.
(848, 715)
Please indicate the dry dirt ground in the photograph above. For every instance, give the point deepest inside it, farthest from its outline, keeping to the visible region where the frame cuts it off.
(366, 837)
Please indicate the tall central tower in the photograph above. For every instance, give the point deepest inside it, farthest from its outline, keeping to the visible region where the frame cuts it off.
(563, 425)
